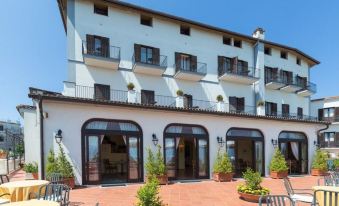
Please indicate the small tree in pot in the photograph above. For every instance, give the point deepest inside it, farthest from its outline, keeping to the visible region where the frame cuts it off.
(278, 165)
(65, 168)
(222, 169)
(319, 164)
(252, 190)
(32, 168)
(130, 86)
(220, 98)
(155, 166)
(148, 195)
(180, 93)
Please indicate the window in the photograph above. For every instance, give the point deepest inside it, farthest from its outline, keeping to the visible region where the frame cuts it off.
(300, 113)
(185, 62)
(236, 104)
(287, 77)
(146, 20)
(320, 114)
(1, 127)
(146, 55)
(298, 61)
(2, 138)
(97, 45)
(185, 30)
(285, 110)
(329, 112)
(188, 101)
(237, 43)
(102, 92)
(271, 108)
(226, 40)
(329, 136)
(101, 9)
(147, 97)
(283, 54)
(271, 74)
(268, 51)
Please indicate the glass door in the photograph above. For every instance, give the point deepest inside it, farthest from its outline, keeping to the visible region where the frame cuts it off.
(93, 160)
(202, 158)
(304, 158)
(258, 150)
(133, 159)
(170, 157)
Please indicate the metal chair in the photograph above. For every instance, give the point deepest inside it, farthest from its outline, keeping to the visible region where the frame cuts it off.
(330, 198)
(328, 180)
(55, 178)
(53, 192)
(276, 200)
(297, 196)
(4, 179)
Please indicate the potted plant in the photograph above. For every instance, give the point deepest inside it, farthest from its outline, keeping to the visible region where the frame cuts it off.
(180, 93)
(260, 103)
(319, 164)
(130, 86)
(52, 164)
(222, 169)
(278, 165)
(3, 154)
(220, 98)
(20, 150)
(155, 166)
(148, 195)
(252, 190)
(65, 168)
(32, 168)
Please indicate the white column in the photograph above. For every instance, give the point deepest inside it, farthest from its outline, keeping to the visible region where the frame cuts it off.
(221, 106)
(259, 86)
(179, 101)
(69, 89)
(132, 96)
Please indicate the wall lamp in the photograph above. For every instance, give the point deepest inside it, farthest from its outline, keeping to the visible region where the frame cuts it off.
(58, 136)
(155, 140)
(221, 142)
(274, 142)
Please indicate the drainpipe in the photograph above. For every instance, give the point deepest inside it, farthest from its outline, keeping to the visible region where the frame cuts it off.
(42, 157)
(320, 130)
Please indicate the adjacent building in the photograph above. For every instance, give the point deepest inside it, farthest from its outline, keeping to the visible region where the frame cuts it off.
(138, 77)
(10, 134)
(327, 109)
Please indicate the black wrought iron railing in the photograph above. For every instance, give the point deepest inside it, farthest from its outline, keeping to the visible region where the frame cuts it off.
(291, 115)
(104, 51)
(199, 68)
(236, 69)
(160, 61)
(329, 144)
(274, 79)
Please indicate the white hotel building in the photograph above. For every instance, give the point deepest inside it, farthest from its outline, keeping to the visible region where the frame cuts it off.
(106, 129)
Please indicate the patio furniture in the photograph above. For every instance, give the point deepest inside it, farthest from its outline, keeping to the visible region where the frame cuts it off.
(20, 190)
(326, 196)
(55, 178)
(328, 180)
(297, 196)
(33, 203)
(3, 200)
(4, 179)
(276, 200)
(53, 192)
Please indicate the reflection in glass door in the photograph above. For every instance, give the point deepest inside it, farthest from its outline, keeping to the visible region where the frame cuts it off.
(203, 158)
(170, 155)
(259, 156)
(133, 159)
(93, 159)
(304, 158)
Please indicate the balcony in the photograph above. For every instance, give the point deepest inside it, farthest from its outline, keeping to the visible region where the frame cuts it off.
(190, 72)
(108, 57)
(291, 116)
(308, 89)
(237, 74)
(274, 83)
(290, 86)
(151, 66)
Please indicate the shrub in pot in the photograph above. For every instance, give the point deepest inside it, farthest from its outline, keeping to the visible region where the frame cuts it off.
(130, 86)
(148, 195)
(278, 165)
(32, 168)
(180, 93)
(222, 169)
(252, 190)
(319, 164)
(65, 168)
(155, 166)
(220, 98)
(52, 164)
(336, 164)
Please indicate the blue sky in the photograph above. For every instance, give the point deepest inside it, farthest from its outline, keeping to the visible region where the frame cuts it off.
(33, 41)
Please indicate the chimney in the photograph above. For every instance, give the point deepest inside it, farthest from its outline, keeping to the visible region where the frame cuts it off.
(259, 33)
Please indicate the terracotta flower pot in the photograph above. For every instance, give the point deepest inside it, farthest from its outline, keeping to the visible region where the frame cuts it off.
(163, 179)
(318, 172)
(249, 197)
(222, 177)
(3, 155)
(35, 176)
(278, 175)
(70, 182)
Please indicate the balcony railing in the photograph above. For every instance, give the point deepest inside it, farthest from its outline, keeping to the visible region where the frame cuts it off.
(89, 93)
(236, 69)
(328, 144)
(161, 62)
(200, 68)
(104, 51)
(274, 79)
(308, 86)
(291, 116)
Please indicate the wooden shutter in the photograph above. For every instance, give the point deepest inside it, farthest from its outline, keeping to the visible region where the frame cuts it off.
(156, 56)
(221, 65)
(194, 63)
(321, 140)
(102, 91)
(274, 109)
(267, 75)
(285, 110)
(245, 70)
(320, 114)
(234, 65)
(300, 112)
(274, 73)
(147, 97)
(233, 103)
(177, 61)
(336, 138)
(90, 44)
(267, 107)
(289, 77)
(137, 52)
(336, 114)
(188, 101)
(105, 47)
(241, 104)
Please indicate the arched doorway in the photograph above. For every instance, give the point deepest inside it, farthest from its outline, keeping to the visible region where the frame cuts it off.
(293, 145)
(186, 151)
(112, 151)
(245, 148)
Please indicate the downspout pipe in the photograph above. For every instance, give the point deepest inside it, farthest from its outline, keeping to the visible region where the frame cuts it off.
(42, 153)
(320, 130)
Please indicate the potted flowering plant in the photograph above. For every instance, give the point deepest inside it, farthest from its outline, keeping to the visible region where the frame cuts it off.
(3, 154)
(319, 164)
(278, 165)
(32, 168)
(155, 166)
(252, 190)
(222, 169)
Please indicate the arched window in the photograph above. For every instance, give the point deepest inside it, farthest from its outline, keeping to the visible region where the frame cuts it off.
(112, 125)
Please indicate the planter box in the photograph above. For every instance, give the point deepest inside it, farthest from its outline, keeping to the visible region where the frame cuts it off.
(70, 182)
(222, 177)
(318, 172)
(249, 197)
(278, 175)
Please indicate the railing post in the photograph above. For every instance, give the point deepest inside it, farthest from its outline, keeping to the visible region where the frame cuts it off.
(179, 101)
(69, 89)
(132, 96)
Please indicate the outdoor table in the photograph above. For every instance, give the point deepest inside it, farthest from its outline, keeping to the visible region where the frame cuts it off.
(20, 190)
(320, 195)
(33, 203)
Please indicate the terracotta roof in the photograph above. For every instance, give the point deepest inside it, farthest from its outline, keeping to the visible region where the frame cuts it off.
(59, 97)
(199, 24)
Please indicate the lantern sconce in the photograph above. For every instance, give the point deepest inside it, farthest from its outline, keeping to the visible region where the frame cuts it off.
(155, 140)
(221, 142)
(58, 136)
(274, 142)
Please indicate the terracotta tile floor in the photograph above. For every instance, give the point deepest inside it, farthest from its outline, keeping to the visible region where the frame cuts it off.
(203, 193)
